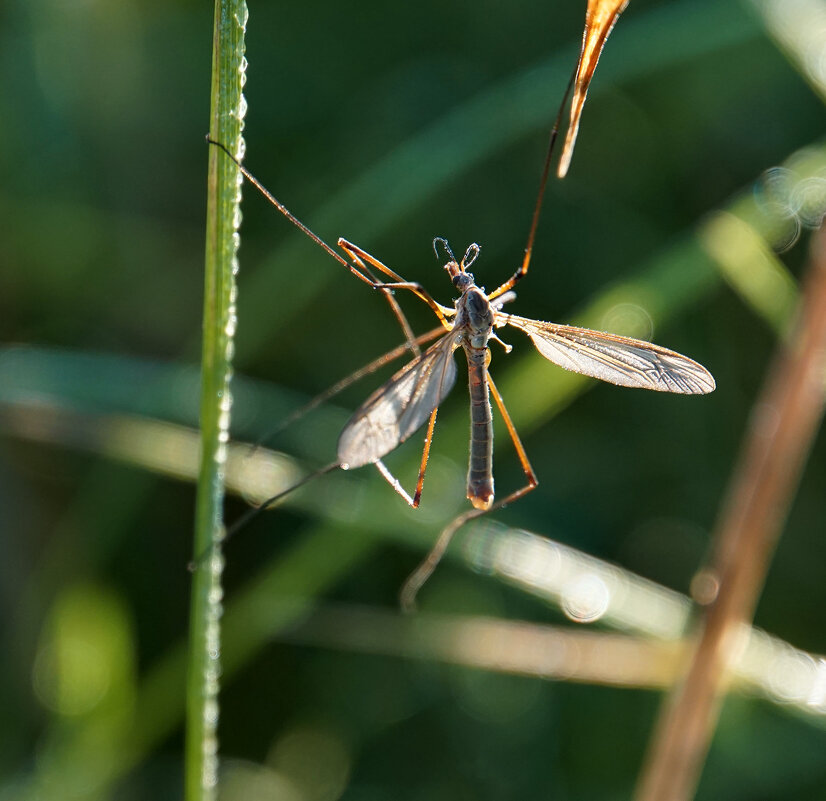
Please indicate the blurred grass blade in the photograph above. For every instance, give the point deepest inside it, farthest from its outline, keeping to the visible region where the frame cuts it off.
(747, 262)
(223, 218)
(600, 18)
(798, 28)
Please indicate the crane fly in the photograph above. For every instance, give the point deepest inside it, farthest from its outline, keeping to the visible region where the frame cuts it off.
(412, 396)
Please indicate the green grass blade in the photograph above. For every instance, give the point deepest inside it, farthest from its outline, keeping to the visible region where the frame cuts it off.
(223, 218)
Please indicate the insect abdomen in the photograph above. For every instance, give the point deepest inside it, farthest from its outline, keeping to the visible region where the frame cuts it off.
(480, 470)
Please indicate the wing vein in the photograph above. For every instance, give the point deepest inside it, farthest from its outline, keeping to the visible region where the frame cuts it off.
(613, 358)
(398, 408)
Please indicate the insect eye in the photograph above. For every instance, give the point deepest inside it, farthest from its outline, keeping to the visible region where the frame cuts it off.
(462, 281)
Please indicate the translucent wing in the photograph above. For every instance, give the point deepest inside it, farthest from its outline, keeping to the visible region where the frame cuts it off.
(618, 360)
(400, 407)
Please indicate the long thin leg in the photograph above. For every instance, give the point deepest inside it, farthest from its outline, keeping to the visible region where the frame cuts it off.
(368, 279)
(530, 476)
(546, 169)
(396, 484)
(428, 440)
(442, 312)
(339, 386)
(262, 507)
(411, 587)
(361, 256)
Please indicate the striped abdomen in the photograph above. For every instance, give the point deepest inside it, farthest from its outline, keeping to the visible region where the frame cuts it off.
(480, 470)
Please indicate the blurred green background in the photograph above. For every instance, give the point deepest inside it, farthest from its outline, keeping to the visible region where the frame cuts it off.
(387, 125)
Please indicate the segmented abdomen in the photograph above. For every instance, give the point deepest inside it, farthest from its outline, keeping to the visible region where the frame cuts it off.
(480, 470)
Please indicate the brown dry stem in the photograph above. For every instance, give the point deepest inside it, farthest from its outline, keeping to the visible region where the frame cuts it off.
(783, 424)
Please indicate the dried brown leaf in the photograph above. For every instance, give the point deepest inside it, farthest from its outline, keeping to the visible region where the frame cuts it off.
(600, 18)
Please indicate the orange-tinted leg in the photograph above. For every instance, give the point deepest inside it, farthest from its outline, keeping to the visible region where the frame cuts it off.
(396, 484)
(546, 169)
(411, 587)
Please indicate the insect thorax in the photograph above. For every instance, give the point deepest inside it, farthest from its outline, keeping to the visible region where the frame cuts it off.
(475, 317)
